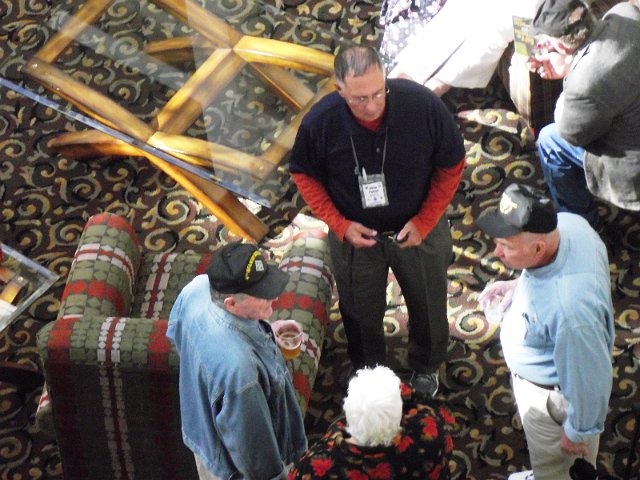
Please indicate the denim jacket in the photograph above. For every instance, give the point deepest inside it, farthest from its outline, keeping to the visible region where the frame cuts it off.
(238, 406)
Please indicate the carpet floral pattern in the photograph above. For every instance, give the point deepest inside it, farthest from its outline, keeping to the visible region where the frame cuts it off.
(45, 199)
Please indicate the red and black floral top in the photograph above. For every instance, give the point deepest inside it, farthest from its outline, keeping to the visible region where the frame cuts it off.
(421, 450)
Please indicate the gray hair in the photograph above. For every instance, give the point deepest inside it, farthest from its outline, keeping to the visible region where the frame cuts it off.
(580, 29)
(356, 60)
(218, 297)
(373, 407)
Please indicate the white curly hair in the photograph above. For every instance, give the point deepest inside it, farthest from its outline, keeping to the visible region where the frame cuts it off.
(373, 407)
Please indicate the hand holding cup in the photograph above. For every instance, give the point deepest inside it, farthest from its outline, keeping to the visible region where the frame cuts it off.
(289, 336)
(492, 311)
(495, 299)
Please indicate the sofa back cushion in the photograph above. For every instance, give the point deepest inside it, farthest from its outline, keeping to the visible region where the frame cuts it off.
(161, 279)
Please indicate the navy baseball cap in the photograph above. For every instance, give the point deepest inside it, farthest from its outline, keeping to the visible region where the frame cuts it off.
(522, 209)
(557, 18)
(242, 268)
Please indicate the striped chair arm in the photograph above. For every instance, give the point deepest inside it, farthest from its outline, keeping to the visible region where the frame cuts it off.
(103, 274)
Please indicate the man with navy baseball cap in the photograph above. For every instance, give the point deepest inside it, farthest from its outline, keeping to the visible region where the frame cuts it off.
(240, 416)
(558, 317)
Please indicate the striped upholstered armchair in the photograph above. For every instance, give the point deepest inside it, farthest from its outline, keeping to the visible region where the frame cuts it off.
(111, 374)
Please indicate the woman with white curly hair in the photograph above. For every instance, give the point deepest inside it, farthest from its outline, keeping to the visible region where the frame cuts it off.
(383, 435)
(373, 407)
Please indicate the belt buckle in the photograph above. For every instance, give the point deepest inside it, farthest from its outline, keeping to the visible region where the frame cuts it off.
(389, 235)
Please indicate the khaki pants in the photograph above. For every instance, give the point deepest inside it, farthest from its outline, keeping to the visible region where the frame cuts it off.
(543, 433)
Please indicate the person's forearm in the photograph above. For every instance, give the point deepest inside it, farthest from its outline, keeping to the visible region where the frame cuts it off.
(318, 200)
(586, 391)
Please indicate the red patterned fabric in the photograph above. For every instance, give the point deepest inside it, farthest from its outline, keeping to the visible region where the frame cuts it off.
(422, 449)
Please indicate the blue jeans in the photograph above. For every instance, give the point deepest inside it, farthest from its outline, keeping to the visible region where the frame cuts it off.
(563, 169)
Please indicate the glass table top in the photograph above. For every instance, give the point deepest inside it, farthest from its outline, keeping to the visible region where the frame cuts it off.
(22, 281)
(209, 91)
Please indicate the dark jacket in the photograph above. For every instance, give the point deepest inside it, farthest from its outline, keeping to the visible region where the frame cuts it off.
(601, 107)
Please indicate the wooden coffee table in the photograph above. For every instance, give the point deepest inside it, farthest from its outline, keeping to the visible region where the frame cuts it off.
(212, 93)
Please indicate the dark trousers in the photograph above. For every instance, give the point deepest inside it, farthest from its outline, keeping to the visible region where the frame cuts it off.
(361, 277)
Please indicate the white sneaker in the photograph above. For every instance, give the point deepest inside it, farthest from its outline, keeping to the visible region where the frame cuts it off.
(526, 475)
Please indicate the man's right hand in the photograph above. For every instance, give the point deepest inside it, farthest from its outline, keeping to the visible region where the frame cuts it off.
(503, 289)
(360, 236)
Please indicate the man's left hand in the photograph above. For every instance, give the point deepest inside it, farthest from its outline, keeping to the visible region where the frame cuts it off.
(572, 448)
(409, 236)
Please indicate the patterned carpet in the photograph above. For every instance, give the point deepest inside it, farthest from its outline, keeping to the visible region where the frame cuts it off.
(45, 199)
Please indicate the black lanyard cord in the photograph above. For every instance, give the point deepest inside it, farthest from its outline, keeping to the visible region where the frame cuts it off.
(355, 155)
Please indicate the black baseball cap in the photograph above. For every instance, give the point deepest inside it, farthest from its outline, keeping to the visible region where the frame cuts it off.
(554, 17)
(241, 268)
(522, 209)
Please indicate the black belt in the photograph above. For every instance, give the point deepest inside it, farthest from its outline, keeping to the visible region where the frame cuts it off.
(389, 235)
(539, 385)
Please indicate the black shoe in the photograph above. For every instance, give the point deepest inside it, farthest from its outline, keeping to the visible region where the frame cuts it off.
(425, 385)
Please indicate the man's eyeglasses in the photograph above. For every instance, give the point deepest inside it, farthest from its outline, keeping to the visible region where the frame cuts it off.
(365, 99)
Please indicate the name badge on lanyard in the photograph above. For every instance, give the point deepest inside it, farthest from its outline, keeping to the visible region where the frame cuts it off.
(373, 190)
